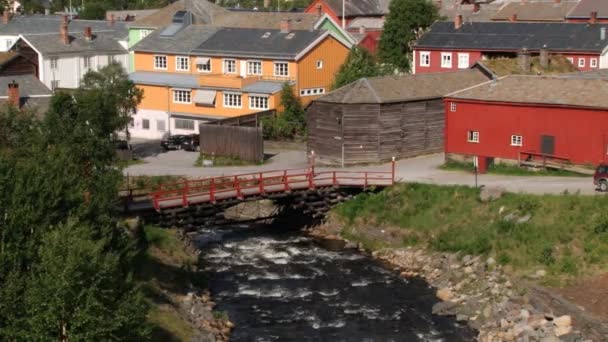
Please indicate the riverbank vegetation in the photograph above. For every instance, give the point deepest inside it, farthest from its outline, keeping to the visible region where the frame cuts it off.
(564, 235)
(510, 170)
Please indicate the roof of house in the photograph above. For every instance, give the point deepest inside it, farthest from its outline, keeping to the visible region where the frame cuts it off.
(203, 11)
(33, 93)
(597, 73)
(192, 81)
(451, 8)
(411, 87)
(136, 14)
(41, 24)
(507, 36)
(7, 57)
(51, 44)
(182, 42)
(359, 8)
(561, 91)
(368, 23)
(585, 7)
(535, 11)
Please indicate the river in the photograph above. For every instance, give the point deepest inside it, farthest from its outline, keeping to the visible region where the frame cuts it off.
(282, 286)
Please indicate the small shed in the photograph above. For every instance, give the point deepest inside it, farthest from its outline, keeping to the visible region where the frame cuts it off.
(374, 119)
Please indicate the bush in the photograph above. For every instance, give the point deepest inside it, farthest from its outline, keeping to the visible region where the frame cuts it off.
(291, 122)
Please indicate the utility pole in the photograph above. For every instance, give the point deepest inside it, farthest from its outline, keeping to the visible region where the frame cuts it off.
(343, 20)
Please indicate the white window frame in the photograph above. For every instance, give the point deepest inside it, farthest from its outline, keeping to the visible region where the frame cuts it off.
(452, 106)
(276, 67)
(319, 64)
(54, 61)
(473, 136)
(252, 62)
(183, 98)
(463, 65)
(86, 62)
(190, 121)
(110, 59)
(445, 60)
(158, 63)
(224, 64)
(178, 63)
(517, 140)
(143, 126)
(202, 70)
(425, 58)
(144, 33)
(593, 62)
(230, 100)
(581, 62)
(570, 59)
(312, 91)
(161, 124)
(258, 102)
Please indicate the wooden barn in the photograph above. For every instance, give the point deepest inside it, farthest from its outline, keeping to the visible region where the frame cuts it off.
(374, 119)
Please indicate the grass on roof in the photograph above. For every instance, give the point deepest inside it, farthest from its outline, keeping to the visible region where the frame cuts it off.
(503, 66)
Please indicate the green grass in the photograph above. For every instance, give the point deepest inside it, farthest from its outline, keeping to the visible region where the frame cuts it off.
(509, 66)
(224, 161)
(509, 170)
(567, 234)
(127, 163)
(168, 325)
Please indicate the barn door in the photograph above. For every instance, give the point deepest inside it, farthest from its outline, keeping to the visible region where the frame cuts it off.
(547, 144)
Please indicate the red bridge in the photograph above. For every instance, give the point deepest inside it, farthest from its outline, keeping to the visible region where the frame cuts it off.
(256, 185)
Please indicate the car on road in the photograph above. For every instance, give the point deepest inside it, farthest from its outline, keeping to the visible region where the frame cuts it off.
(181, 142)
(600, 178)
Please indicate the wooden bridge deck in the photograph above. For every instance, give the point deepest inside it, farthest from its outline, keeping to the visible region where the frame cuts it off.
(242, 187)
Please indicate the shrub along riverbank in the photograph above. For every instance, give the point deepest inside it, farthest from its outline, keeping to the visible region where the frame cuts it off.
(564, 235)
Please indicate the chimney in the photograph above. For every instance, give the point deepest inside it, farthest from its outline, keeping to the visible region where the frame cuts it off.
(593, 17)
(6, 17)
(513, 18)
(13, 94)
(603, 33)
(319, 9)
(523, 60)
(63, 33)
(458, 22)
(88, 33)
(361, 29)
(544, 57)
(285, 26)
(476, 7)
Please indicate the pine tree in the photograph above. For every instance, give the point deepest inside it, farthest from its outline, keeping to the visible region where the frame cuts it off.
(359, 63)
(405, 19)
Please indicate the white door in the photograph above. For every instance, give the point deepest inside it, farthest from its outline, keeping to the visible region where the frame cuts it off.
(243, 69)
(463, 61)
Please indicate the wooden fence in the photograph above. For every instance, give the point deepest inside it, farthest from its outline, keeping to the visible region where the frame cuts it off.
(249, 120)
(245, 143)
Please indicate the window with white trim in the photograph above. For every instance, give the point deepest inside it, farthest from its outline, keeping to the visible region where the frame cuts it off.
(446, 60)
(593, 62)
(86, 61)
(254, 67)
(463, 60)
(233, 100)
(184, 124)
(473, 136)
(54, 62)
(9, 43)
(145, 124)
(182, 96)
(452, 106)
(258, 102)
(229, 66)
(516, 140)
(319, 64)
(425, 58)
(281, 69)
(312, 91)
(160, 62)
(581, 62)
(204, 67)
(110, 59)
(182, 63)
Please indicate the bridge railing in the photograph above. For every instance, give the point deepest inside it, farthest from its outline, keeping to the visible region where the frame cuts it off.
(184, 192)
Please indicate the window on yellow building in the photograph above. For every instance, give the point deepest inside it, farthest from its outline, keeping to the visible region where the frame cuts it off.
(281, 69)
(203, 64)
(258, 102)
(229, 66)
(233, 100)
(254, 67)
(160, 62)
(181, 96)
(182, 63)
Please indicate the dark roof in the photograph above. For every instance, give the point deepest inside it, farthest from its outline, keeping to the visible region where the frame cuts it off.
(561, 91)
(183, 42)
(41, 24)
(239, 42)
(535, 11)
(585, 7)
(50, 44)
(359, 8)
(409, 87)
(450, 8)
(33, 93)
(507, 36)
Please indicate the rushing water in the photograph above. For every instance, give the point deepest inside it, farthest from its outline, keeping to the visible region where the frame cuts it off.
(280, 286)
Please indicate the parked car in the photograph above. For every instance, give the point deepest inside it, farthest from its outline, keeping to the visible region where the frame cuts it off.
(191, 143)
(600, 178)
(173, 142)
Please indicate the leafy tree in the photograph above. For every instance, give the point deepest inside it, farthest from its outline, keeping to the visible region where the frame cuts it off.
(93, 11)
(291, 121)
(359, 63)
(405, 20)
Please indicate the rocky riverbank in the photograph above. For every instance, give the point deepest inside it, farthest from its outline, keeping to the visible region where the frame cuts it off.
(474, 290)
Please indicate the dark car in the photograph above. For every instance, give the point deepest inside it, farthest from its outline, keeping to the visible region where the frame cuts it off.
(173, 142)
(191, 143)
(600, 178)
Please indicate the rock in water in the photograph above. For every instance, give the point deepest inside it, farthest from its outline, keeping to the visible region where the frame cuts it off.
(445, 294)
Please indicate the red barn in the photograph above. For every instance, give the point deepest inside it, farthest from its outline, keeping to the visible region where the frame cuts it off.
(448, 46)
(565, 118)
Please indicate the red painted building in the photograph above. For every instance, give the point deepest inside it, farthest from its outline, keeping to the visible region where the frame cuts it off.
(505, 119)
(448, 46)
(352, 9)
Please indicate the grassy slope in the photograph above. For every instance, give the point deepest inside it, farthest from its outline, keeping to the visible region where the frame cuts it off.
(509, 66)
(567, 234)
(510, 170)
(164, 267)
